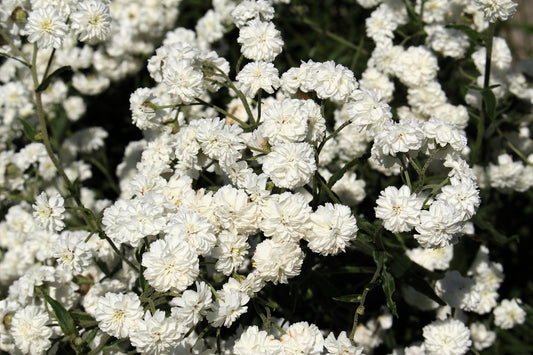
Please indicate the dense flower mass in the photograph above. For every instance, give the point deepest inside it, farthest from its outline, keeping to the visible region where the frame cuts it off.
(264, 177)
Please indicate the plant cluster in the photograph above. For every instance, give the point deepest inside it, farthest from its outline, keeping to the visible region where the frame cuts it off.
(274, 196)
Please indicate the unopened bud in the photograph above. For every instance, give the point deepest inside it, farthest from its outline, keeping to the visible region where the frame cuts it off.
(19, 16)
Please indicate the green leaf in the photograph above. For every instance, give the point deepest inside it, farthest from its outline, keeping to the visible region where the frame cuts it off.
(389, 287)
(490, 103)
(340, 173)
(64, 318)
(484, 225)
(91, 335)
(44, 84)
(30, 132)
(84, 319)
(142, 281)
(474, 36)
(353, 298)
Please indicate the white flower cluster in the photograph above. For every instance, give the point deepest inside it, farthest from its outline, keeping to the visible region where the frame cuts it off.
(228, 196)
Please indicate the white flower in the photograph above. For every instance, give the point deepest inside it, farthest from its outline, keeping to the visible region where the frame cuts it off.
(398, 208)
(303, 338)
(29, 330)
(495, 10)
(369, 111)
(234, 210)
(128, 221)
(277, 262)
(251, 9)
(46, 27)
(257, 75)
(481, 336)
(509, 313)
(440, 226)
(284, 121)
(290, 165)
(381, 24)
(72, 252)
(330, 81)
(182, 80)
(441, 133)
(341, 346)
(192, 305)
(210, 28)
(230, 252)
(458, 291)
(118, 314)
(220, 140)
(463, 195)
(260, 41)
(254, 341)
(171, 264)
(332, 229)
(417, 66)
(432, 259)
(446, 337)
(506, 174)
(143, 114)
(49, 212)
(156, 334)
(285, 217)
(192, 228)
(230, 305)
(402, 137)
(91, 21)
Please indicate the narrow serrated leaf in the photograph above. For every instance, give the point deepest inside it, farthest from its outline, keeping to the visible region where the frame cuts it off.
(64, 318)
(44, 84)
(30, 132)
(353, 298)
(389, 287)
(340, 173)
(490, 103)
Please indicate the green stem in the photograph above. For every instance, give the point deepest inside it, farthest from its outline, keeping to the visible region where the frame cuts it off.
(486, 84)
(239, 94)
(513, 148)
(49, 64)
(224, 112)
(337, 131)
(406, 174)
(15, 48)
(369, 286)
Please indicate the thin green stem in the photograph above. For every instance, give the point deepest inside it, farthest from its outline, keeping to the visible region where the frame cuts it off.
(49, 64)
(93, 223)
(239, 94)
(406, 174)
(224, 112)
(513, 148)
(369, 286)
(486, 84)
(337, 131)
(259, 106)
(15, 48)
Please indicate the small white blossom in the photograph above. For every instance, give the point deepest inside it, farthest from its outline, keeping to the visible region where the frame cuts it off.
(46, 27)
(49, 212)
